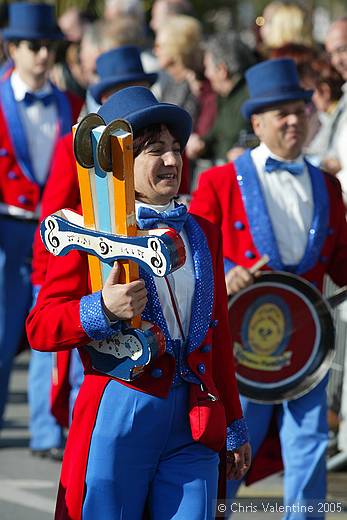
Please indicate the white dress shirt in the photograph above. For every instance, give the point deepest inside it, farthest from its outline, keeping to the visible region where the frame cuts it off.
(40, 124)
(289, 202)
(182, 283)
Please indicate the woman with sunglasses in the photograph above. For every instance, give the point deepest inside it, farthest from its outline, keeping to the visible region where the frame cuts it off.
(152, 443)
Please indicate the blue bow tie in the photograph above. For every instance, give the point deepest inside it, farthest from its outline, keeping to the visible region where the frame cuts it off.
(31, 97)
(148, 218)
(291, 167)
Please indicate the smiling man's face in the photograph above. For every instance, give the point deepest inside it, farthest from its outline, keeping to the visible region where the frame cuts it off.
(282, 128)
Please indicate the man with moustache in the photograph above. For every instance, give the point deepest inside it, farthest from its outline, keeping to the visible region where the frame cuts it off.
(271, 200)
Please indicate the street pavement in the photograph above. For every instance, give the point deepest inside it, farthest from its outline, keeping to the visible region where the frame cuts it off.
(28, 485)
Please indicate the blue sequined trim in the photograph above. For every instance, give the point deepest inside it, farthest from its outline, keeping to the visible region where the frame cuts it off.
(320, 222)
(237, 434)
(203, 300)
(260, 222)
(93, 319)
(202, 304)
(35, 294)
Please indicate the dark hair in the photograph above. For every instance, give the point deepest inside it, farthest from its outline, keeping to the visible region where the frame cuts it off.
(296, 51)
(14, 41)
(320, 71)
(146, 136)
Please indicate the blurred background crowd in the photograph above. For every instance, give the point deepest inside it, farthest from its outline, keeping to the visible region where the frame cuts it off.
(195, 54)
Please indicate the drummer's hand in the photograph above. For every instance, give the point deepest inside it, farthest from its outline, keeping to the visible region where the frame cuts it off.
(123, 301)
(238, 462)
(238, 278)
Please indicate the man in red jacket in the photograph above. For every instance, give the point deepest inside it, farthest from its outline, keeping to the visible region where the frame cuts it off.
(272, 201)
(33, 115)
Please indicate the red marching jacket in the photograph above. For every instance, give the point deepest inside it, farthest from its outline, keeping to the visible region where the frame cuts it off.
(54, 325)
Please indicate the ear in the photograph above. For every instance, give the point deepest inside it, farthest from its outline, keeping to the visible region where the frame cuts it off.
(11, 49)
(256, 121)
(223, 70)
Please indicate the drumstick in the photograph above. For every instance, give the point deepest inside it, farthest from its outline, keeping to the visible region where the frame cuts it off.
(260, 263)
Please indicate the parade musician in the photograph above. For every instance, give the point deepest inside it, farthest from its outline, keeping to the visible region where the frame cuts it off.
(272, 201)
(155, 439)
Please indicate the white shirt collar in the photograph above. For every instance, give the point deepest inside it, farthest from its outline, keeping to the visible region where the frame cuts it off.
(20, 88)
(263, 152)
(159, 208)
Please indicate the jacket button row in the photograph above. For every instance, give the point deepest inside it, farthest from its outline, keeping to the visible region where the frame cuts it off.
(23, 199)
(12, 175)
(249, 254)
(157, 373)
(3, 152)
(239, 225)
(201, 368)
(205, 348)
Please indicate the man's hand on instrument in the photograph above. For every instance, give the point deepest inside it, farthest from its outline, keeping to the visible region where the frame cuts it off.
(238, 462)
(238, 278)
(123, 301)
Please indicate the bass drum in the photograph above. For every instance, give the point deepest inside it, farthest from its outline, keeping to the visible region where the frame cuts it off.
(283, 337)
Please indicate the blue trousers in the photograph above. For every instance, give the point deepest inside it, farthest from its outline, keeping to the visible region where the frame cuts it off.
(45, 432)
(76, 376)
(15, 293)
(303, 431)
(142, 448)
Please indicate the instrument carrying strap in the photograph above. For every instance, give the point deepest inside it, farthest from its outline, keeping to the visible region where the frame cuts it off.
(174, 306)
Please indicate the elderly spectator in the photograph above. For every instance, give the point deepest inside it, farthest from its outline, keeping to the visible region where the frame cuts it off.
(72, 24)
(178, 46)
(336, 46)
(115, 8)
(326, 83)
(285, 22)
(226, 59)
(163, 9)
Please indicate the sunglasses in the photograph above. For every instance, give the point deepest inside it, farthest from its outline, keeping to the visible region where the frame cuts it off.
(37, 45)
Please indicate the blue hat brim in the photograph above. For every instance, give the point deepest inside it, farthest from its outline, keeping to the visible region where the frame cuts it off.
(13, 34)
(102, 86)
(255, 105)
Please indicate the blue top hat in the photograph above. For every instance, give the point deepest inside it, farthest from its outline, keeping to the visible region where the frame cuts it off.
(32, 22)
(273, 82)
(121, 65)
(140, 108)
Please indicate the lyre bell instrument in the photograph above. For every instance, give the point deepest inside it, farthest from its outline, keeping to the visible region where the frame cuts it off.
(107, 232)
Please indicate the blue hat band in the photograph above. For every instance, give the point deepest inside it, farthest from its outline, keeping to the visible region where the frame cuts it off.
(139, 106)
(280, 89)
